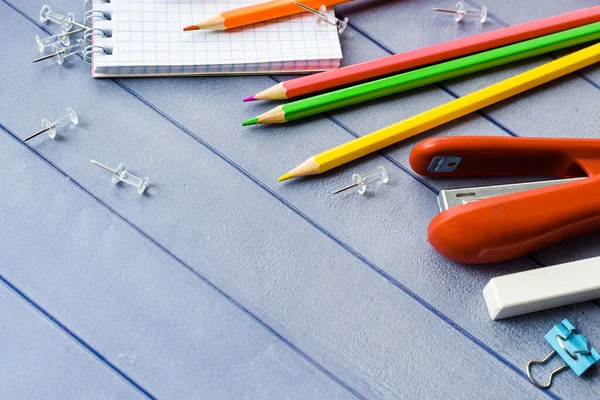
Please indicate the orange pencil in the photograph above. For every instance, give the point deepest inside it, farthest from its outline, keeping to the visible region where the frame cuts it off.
(257, 13)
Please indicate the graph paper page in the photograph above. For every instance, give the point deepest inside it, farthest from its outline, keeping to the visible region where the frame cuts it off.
(148, 35)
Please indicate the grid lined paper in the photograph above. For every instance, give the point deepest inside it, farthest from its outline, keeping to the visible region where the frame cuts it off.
(148, 39)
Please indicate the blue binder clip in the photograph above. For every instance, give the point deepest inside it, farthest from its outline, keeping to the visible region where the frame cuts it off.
(573, 348)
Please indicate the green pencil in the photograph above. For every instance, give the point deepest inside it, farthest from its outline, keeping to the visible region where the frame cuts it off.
(428, 75)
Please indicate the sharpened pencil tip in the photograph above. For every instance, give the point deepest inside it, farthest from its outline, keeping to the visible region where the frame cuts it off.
(285, 177)
(252, 121)
(250, 98)
(191, 28)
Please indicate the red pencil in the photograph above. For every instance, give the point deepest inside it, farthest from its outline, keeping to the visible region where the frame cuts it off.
(427, 55)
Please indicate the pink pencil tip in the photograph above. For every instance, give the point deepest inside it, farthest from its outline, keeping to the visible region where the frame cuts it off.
(250, 98)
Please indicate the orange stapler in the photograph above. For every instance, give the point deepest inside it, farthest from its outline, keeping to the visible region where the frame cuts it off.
(496, 223)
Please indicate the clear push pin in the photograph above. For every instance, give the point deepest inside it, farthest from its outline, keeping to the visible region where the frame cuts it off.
(62, 124)
(321, 15)
(361, 182)
(65, 21)
(61, 52)
(62, 37)
(461, 12)
(120, 175)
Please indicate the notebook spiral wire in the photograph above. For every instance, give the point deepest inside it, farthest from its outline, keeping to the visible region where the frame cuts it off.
(88, 37)
(88, 4)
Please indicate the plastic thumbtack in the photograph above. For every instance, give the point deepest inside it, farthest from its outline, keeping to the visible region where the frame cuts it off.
(62, 124)
(121, 175)
(571, 346)
(65, 21)
(461, 12)
(361, 182)
(321, 15)
(63, 37)
(62, 52)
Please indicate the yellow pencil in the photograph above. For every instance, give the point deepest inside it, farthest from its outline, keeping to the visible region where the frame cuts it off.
(446, 112)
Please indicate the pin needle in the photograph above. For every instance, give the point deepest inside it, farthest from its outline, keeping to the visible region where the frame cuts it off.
(346, 188)
(47, 56)
(78, 30)
(307, 8)
(38, 133)
(62, 52)
(104, 166)
(83, 27)
(444, 10)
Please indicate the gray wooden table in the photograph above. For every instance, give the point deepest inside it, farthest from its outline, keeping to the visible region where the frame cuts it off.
(223, 283)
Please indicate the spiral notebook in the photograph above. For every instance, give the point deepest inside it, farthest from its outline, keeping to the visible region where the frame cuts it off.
(145, 37)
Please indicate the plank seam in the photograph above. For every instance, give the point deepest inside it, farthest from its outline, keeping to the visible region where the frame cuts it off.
(181, 262)
(95, 353)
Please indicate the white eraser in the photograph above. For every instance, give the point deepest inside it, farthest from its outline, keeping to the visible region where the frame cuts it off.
(543, 288)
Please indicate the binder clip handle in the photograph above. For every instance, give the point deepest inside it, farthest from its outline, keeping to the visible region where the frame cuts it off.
(542, 362)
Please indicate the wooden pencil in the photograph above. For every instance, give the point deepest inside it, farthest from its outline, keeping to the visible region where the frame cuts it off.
(258, 13)
(427, 55)
(428, 75)
(446, 112)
